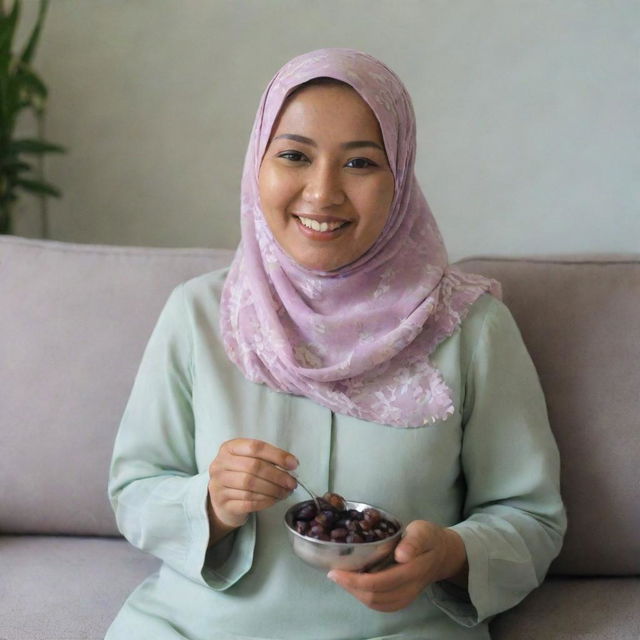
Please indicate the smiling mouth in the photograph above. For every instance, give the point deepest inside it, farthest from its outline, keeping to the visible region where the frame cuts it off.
(322, 227)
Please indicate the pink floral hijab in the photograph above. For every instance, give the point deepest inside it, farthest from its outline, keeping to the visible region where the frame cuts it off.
(356, 340)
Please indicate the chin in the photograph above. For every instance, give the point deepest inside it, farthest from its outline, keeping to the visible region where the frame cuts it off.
(320, 264)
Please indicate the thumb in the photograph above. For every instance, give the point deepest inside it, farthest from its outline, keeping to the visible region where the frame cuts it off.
(414, 542)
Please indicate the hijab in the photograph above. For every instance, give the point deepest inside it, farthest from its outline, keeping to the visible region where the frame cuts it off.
(356, 340)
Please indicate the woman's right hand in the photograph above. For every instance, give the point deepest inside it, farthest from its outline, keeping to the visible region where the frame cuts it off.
(244, 478)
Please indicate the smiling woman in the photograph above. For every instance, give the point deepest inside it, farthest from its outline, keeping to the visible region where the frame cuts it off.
(340, 340)
(325, 183)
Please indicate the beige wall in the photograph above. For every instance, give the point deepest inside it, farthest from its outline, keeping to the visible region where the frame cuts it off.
(527, 114)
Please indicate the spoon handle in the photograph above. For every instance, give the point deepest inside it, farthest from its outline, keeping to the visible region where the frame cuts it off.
(311, 493)
(304, 486)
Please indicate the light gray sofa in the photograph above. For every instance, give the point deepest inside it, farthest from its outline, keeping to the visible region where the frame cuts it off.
(74, 320)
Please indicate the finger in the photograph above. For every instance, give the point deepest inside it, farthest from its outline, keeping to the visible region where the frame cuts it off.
(384, 581)
(229, 458)
(418, 539)
(238, 495)
(254, 467)
(390, 607)
(239, 509)
(254, 487)
(232, 506)
(392, 600)
(386, 603)
(239, 502)
(251, 448)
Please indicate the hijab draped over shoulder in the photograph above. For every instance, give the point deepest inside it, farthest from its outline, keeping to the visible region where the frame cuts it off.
(356, 340)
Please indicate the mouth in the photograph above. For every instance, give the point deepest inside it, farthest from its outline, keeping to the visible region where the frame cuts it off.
(324, 227)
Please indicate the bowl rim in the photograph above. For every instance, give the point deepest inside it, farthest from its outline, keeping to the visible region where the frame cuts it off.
(332, 543)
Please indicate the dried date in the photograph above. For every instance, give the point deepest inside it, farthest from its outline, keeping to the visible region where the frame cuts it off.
(337, 523)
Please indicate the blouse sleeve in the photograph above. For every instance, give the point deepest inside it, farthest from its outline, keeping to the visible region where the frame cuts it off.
(158, 495)
(513, 520)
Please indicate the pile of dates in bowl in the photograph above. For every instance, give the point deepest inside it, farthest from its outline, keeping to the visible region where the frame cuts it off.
(353, 536)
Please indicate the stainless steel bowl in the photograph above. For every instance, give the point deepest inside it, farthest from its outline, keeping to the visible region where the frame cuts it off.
(361, 556)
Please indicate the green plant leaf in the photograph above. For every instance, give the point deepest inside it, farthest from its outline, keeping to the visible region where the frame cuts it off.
(8, 27)
(20, 88)
(28, 79)
(29, 145)
(39, 187)
(5, 220)
(7, 197)
(5, 62)
(11, 98)
(10, 165)
(30, 48)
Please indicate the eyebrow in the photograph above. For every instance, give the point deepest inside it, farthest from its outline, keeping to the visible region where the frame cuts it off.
(346, 145)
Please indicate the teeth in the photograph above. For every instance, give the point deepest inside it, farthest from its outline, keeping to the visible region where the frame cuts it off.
(320, 226)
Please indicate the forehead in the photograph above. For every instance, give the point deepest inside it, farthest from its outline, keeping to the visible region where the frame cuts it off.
(328, 110)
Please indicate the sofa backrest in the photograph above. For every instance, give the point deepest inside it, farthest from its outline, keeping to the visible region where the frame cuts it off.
(580, 319)
(74, 321)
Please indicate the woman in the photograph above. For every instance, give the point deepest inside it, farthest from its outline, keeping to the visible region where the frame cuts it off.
(342, 345)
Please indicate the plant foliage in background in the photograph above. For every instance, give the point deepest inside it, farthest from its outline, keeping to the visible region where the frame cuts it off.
(20, 89)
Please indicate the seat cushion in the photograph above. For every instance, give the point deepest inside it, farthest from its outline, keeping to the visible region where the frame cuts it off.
(575, 609)
(54, 587)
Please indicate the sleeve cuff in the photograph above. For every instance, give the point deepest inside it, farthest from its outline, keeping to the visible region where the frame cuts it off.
(222, 565)
(454, 601)
(467, 607)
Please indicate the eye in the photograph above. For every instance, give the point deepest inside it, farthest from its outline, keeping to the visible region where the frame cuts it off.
(360, 163)
(292, 156)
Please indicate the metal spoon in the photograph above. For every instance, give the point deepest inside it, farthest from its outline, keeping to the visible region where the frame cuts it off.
(311, 493)
(315, 497)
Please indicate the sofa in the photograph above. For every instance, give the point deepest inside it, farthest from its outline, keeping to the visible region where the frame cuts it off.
(74, 320)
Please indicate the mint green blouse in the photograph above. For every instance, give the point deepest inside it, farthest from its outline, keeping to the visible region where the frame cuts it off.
(490, 471)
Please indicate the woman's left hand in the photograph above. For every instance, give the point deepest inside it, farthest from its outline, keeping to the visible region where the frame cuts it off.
(427, 553)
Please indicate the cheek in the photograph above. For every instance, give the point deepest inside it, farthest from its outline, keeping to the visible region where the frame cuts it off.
(266, 190)
(377, 203)
(275, 190)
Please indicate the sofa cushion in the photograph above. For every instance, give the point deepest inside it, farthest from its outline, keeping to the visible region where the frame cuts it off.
(574, 609)
(74, 320)
(97, 575)
(66, 587)
(580, 319)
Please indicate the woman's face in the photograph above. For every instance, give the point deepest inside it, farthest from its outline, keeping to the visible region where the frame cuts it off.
(325, 183)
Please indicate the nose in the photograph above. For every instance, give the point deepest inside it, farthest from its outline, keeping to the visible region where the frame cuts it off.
(323, 187)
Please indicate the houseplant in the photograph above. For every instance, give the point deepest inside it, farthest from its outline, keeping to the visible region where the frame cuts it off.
(21, 90)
